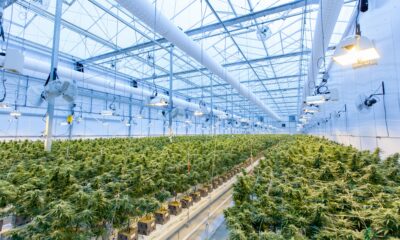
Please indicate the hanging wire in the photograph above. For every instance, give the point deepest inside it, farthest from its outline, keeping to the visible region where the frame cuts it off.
(3, 79)
(323, 58)
(357, 20)
(153, 59)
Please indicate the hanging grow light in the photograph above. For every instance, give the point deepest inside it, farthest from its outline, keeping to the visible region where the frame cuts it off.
(64, 123)
(15, 114)
(4, 106)
(107, 113)
(158, 102)
(198, 113)
(311, 109)
(316, 100)
(303, 120)
(357, 51)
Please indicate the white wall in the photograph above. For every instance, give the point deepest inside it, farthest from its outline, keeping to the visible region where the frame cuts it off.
(368, 130)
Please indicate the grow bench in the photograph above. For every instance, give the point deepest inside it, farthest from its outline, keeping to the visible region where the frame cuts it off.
(172, 229)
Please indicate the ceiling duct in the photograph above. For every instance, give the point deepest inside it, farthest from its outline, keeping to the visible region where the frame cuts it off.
(325, 24)
(42, 66)
(144, 10)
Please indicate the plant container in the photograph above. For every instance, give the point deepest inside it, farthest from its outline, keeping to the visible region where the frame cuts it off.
(196, 196)
(20, 220)
(186, 201)
(203, 191)
(209, 187)
(129, 234)
(146, 225)
(225, 177)
(162, 216)
(216, 183)
(221, 180)
(175, 208)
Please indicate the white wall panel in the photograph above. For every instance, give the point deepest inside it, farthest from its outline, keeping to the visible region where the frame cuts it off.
(368, 130)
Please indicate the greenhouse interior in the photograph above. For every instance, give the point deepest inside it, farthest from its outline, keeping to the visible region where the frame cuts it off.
(199, 119)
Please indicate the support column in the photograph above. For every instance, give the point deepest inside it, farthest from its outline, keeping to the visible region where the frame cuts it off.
(130, 119)
(170, 102)
(149, 123)
(212, 129)
(71, 124)
(53, 76)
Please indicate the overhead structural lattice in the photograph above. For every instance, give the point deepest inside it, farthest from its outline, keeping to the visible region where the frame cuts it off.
(144, 10)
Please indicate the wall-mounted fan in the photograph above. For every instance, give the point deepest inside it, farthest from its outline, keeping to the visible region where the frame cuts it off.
(263, 33)
(38, 94)
(365, 103)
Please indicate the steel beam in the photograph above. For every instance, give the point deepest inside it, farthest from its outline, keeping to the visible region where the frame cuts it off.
(53, 76)
(243, 82)
(235, 94)
(170, 103)
(233, 64)
(66, 24)
(212, 27)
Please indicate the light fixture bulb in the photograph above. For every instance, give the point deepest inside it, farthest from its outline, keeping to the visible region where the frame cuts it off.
(4, 106)
(357, 51)
(198, 113)
(311, 109)
(158, 102)
(316, 100)
(107, 113)
(15, 114)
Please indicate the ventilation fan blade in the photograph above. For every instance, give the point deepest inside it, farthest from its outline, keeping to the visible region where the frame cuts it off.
(34, 95)
(360, 104)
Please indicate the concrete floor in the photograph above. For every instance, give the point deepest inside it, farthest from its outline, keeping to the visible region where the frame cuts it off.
(221, 233)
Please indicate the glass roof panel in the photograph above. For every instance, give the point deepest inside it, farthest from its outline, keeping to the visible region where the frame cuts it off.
(273, 69)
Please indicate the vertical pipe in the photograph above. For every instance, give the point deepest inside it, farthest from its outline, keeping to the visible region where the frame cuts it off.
(130, 119)
(170, 105)
(130, 116)
(71, 125)
(212, 129)
(195, 125)
(163, 128)
(149, 123)
(54, 64)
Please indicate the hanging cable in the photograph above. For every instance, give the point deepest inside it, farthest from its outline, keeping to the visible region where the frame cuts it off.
(5, 50)
(3, 81)
(153, 63)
